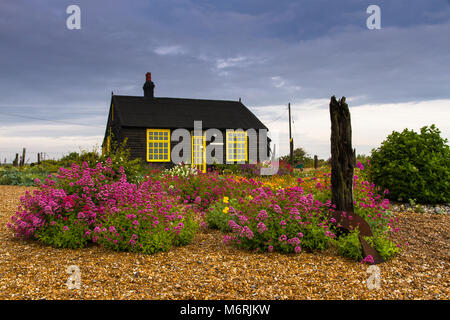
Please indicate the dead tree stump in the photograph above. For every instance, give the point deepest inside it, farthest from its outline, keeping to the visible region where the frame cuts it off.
(342, 155)
(343, 161)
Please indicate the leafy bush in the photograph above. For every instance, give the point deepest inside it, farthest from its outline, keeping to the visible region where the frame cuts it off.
(217, 216)
(413, 166)
(385, 247)
(350, 247)
(22, 176)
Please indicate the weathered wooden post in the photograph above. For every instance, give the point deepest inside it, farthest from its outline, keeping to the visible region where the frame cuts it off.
(342, 156)
(38, 158)
(315, 162)
(16, 160)
(343, 161)
(22, 160)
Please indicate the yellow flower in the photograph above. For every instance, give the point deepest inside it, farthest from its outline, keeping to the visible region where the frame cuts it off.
(225, 210)
(225, 199)
(250, 197)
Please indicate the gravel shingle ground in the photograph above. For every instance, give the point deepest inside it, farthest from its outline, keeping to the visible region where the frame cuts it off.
(207, 269)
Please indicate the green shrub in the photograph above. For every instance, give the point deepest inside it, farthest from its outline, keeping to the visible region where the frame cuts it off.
(349, 246)
(218, 215)
(22, 176)
(314, 238)
(55, 235)
(413, 166)
(385, 247)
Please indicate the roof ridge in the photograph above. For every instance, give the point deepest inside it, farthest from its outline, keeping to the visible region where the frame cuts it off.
(172, 98)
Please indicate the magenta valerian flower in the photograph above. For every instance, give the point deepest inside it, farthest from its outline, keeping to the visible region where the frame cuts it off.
(282, 238)
(360, 165)
(246, 232)
(297, 249)
(294, 241)
(262, 215)
(261, 227)
(368, 259)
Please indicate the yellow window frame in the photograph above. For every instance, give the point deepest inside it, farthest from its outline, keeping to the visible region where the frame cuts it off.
(153, 151)
(194, 154)
(236, 140)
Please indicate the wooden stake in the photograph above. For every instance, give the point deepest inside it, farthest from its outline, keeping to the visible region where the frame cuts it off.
(315, 162)
(22, 161)
(342, 156)
(291, 141)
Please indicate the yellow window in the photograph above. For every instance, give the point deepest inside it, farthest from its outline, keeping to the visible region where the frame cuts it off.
(108, 143)
(236, 146)
(158, 145)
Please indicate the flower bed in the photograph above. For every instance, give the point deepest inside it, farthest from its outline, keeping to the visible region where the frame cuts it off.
(82, 205)
(283, 213)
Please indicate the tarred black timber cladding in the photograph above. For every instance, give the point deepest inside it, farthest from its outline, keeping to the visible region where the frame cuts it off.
(137, 142)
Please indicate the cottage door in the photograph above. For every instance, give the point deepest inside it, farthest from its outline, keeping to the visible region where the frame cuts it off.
(199, 152)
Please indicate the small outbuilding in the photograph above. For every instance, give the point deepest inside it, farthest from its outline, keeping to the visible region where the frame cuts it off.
(149, 123)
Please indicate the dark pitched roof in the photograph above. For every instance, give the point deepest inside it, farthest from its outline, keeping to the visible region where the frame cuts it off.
(181, 113)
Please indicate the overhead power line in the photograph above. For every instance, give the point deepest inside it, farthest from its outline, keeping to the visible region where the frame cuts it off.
(51, 120)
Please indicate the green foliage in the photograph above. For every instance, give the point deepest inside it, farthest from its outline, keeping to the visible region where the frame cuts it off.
(413, 166)
(314, 238)
(349, 246)
(22, 176)
(299, 156)
(385, 247)
(218, 215)
(134, 169)
(141, 234)
(56, 236)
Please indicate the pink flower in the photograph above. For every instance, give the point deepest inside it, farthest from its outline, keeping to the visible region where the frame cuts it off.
(270, 249)
(227, 239)
(246, 232)
(261, 227)
(368, 259)
(297, 249)
(360, 165)
(262, 215)
(65, 228)
(282, 238)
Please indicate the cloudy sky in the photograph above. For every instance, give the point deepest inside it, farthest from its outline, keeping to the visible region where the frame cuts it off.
(56, 83)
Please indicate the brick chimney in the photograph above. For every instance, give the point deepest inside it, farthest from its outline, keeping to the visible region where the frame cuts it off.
(149, 86)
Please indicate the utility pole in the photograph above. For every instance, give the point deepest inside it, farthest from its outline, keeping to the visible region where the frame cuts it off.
(291, 142)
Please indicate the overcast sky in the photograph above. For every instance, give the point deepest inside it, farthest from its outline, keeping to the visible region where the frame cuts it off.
(56, 83)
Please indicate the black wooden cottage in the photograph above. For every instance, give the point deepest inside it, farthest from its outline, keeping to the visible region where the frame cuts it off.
(149, 121)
